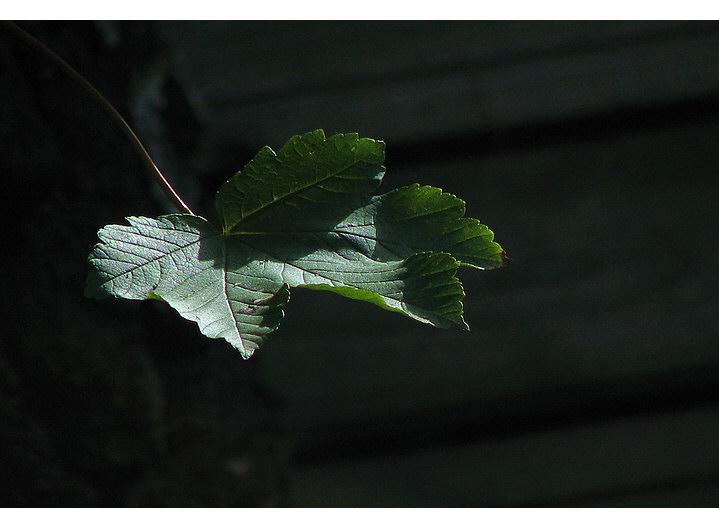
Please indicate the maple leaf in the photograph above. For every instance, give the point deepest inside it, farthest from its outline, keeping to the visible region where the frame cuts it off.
(304, 217)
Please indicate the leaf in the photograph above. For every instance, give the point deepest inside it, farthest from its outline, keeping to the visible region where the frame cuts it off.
(301, 217)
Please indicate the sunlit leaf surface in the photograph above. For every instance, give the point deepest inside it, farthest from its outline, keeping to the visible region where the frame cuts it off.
(306, 217)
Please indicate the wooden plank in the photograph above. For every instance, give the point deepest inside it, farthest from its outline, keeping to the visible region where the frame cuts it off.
(262, 59)
(661, 460)
(261, 83)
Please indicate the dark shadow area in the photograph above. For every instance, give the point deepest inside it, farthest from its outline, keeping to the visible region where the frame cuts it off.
(589, 376)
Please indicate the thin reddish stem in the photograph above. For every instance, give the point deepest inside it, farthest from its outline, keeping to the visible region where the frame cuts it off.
(134, 140)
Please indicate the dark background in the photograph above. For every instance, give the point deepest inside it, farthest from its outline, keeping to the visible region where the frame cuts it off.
(590, 376)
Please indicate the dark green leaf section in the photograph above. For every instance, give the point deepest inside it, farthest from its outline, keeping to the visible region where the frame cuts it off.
(416, 219)
(301, 217)
(311, 179)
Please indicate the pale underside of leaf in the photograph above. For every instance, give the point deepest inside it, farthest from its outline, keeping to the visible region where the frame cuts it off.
(235, 287)
(184, 261)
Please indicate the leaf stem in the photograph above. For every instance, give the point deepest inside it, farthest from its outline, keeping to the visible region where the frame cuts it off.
(134, 140)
